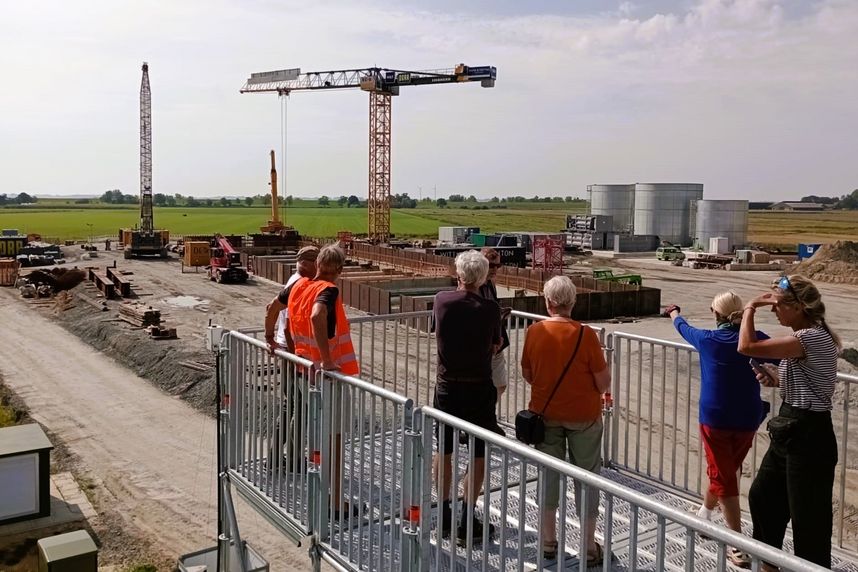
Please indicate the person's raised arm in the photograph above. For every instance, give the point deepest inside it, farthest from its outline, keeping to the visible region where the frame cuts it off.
(750, 345)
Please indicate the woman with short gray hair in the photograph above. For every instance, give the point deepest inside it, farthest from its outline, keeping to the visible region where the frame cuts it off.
(472, 268)
(563, 362)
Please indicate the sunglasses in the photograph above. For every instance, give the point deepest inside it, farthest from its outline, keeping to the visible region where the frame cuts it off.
(784, 285)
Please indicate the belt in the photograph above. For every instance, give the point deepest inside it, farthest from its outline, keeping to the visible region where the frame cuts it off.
(788, 410)
(454, 379)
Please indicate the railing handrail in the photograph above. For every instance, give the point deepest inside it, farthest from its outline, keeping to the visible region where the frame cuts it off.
(845, 377)
(689, 520)
(241, 335)
(385, 317)
(370, 388)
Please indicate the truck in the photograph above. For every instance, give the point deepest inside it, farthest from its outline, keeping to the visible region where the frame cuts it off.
(608, 274)
(225, 263)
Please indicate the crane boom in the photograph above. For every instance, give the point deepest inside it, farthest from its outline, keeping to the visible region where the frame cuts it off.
(382, 84)
(275, 215)
(147, 222)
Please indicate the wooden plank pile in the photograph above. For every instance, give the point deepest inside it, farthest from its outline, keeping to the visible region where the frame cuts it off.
(139, 315)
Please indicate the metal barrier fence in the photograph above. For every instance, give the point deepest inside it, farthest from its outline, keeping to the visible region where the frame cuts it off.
(656, 389)
(291, 436)
(639, 530)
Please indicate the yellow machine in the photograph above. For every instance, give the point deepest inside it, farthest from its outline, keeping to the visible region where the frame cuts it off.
(275, 225)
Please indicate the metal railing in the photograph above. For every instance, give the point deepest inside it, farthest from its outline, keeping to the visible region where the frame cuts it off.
(655, 434)
(637, 530)
(289, 433)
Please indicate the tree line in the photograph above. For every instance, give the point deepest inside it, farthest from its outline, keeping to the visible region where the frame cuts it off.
(845, 202)
(19, 199)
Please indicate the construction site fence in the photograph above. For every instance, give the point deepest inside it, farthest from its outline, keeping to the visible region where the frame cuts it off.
(342, 465)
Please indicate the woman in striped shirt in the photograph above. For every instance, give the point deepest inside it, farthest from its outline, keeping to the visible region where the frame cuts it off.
(796, 477)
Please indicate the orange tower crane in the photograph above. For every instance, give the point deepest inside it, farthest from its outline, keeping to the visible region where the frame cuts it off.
(382, 84)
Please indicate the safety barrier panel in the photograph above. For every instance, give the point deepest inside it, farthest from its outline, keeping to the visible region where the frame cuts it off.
(655, 434)
(344, 464)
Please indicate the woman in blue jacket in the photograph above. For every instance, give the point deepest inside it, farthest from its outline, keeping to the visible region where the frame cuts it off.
(730, 408)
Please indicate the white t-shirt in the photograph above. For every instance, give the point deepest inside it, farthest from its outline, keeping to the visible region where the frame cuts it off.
(279, 335)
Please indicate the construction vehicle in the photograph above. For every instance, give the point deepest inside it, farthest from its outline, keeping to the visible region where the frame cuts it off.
(381, 84)
(669, 253)
(608, 274)
(225, 262)
(275, 225)
(145, 240)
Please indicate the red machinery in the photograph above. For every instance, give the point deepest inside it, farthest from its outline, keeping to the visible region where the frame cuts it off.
(225, 263)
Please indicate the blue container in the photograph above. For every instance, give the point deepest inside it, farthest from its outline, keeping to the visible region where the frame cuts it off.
(9, 232)
(805, 251)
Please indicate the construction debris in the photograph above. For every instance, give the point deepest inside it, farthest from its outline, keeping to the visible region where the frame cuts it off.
(140, 315)
(159, 333)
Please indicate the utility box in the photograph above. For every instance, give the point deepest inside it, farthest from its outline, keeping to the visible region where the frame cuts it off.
(719, 245)
(805, 251)
(70, 552)
(197, 254)
(25, 472)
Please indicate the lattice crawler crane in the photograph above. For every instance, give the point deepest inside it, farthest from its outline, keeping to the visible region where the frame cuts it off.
(145, 240)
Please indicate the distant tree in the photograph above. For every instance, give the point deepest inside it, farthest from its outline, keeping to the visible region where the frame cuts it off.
(848, 202)
(441, 203)
(456, 199)
(224, 202)
(494, 200)
(107, 197)
(129, 199)
(171, 201)
(208, 202)
(402, 201)
(179, 198)
(820, 200)
(81, 201)
(569, 199)
(342, 201)
(192, 202)
(160, 199)
(248, 201)
(289, 200)
(24, 198)
(472, 199)
(266, 200)
(324, 201)
(4, 200)
(353, 201)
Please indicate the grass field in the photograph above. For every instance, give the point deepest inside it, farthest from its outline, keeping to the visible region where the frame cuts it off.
(69, 221)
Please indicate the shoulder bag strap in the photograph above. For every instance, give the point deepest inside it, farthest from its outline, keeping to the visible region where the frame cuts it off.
(565, 369)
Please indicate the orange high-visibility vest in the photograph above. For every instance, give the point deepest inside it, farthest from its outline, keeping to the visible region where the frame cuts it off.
(302, 297)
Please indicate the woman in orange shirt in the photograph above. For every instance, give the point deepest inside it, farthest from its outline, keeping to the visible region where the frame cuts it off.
(573, 417)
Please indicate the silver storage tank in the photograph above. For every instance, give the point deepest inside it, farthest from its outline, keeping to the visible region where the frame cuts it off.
(664, 210)
(617, 201)
(721, 218)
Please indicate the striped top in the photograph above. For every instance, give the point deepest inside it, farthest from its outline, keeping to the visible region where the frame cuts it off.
(808, 382)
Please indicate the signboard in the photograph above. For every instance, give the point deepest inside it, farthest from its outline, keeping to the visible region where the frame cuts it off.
(274, 76)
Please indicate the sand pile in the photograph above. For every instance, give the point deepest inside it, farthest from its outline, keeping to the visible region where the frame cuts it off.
(836, 262)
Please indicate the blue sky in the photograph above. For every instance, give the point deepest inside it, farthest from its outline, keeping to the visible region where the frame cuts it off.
(753, 98)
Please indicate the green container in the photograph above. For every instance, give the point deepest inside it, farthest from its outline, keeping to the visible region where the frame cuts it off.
(478, 240)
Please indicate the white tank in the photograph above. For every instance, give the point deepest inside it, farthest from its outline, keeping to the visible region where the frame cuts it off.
(664, 210)
(721, 218)
(617, 201)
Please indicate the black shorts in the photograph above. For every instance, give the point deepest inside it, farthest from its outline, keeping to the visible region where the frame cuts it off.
(471, 402)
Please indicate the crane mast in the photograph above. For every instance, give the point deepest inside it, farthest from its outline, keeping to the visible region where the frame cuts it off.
(147, 223)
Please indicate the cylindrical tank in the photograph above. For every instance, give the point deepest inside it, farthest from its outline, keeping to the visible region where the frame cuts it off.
(617, 201)
(664, 210)
(721, 218)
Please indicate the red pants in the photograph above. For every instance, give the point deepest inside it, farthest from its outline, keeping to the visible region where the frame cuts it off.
(725, 451)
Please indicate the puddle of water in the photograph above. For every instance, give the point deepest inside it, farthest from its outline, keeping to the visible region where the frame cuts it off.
(186, 301)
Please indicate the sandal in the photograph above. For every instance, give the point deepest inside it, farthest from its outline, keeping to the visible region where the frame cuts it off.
(738, 558)
(597, 558)
(549, 550)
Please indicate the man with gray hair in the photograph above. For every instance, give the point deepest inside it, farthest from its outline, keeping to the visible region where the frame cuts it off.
(468, 334)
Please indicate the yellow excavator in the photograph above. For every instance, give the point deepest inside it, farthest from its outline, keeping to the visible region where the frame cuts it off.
(275, 225)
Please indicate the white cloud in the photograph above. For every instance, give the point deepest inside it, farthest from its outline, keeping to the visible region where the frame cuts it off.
(737, 94)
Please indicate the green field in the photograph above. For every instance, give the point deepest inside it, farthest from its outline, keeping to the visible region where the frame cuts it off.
(54, 219)
(71, 222)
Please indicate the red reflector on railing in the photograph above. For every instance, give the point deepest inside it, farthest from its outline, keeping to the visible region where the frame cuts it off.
(225, 400)
(414, 515)
(608, 400)
(316, 457)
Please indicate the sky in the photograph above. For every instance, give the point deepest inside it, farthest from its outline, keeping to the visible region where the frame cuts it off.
(753, 98)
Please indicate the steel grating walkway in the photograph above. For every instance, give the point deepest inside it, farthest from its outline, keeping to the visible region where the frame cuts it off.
(372, 489)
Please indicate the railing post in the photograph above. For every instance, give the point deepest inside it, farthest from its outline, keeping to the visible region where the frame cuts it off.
(316, 513)
(411, 509)
(616, 394)
(608, 406)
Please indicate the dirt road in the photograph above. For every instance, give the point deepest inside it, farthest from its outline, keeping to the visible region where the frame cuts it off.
(153, 455)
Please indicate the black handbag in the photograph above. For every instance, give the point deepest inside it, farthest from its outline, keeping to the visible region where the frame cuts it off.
(529, 425)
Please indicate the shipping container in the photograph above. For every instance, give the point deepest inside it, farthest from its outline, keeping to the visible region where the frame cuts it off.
(9, 232)
(807, 250)
(197, 254)
(8, 271)
(12, 245)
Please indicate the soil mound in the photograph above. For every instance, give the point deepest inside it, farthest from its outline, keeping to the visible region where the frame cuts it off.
(835, 262)
(59, 279)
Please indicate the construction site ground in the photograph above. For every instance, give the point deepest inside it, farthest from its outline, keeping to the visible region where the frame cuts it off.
(136, 414)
